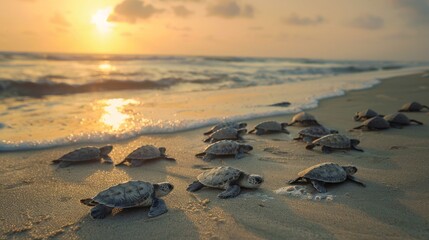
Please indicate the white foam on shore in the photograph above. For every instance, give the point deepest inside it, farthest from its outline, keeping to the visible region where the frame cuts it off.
(303, 193)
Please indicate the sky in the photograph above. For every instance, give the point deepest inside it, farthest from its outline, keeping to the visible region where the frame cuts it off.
(328, 29)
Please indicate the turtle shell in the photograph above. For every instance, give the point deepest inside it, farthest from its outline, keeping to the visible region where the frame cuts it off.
(225, 133)
(366, 114)
(81, 154)
(303, 116)
(127, 195)
(377, 122)
(219, 177)
(315, 132)
(398, 118)
(224, 147)
(270, 126)
(222, 125)
(411, 107)
(334, 141)
(145, 152)
(325, 172)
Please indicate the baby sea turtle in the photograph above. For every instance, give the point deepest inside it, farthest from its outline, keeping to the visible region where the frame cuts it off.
(375, 123)
(226, 124)
(366, 114)
(128, 195)
(334, 141)
(224, 148)
(228, 178)
(85, 154)
(270, 127)
(412, 107)
(312, 133)
(145, 153)
(399, 119)
(226, 133)
(304, 119)
(327, 172)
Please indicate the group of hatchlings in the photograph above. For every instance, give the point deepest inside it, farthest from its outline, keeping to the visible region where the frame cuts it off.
(224, 139)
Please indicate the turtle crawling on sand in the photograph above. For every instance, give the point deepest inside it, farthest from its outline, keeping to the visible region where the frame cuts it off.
(145, 153)
(228, 178)
(412, 107)
(128, 195)
(226, 133)
(270, 127)
(304, 119)
(312, 133)
(366, 114)
(85, 154)
(327, 172)
(226, 124)
(373, 124)
(224, 148)
(398, 120)
(334, 141)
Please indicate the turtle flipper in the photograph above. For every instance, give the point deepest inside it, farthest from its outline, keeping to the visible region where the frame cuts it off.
(231, 192)
(252, 131)
(100, 211)
(260, 132)
(298, 179)
(208, 140)
(158, 208)
(307, 139)
(326, 149)
(200, 155)
(354, 147)
(195, 186)
(319, 186)
(107, 159)
(424, 106)
(208, 157)
(353, 179)
(310, 146)
(64, 164)
(415, 121)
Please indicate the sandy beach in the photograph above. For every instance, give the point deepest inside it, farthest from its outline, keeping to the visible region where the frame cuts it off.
(39, 201)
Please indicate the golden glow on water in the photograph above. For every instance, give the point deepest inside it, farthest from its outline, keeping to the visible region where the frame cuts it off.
(106, 67)
(114, 115)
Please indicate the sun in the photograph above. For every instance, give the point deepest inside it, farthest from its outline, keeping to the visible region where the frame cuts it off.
(99, 19)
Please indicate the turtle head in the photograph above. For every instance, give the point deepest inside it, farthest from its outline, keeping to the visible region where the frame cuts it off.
(242, 125)
(162, 150)
(163, 188)
(106, 150)
(246, 148)
(354, 142)
(350, 170)
(357, 116)
(241, 132)
(252, 181)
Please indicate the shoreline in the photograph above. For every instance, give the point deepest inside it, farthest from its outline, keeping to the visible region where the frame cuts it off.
(43, 201)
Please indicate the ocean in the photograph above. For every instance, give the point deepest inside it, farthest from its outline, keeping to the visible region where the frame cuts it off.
(49, 100)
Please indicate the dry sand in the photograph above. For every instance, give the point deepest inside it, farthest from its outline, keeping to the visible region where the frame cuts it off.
(39, 201)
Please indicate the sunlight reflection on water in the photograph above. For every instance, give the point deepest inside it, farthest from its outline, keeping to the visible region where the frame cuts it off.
(114, 114)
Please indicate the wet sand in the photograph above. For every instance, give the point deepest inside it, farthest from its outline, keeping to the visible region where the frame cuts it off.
(37, 200)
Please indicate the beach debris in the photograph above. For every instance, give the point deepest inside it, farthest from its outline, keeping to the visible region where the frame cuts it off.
(224, 148)
(280, 104)
(365, 115)
(312, 133)
(412, 107)
(327, 172)
(334, 141)
(228, 178)
(302, 193)
(226, 124)
(270, 127)
(374, 124)
(226, 133)
(145, 153)
(398, 120)
(304, 119)
(85, 154)
(129, 195)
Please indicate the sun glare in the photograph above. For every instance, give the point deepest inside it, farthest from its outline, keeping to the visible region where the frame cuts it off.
(114, 112)
(99, 19)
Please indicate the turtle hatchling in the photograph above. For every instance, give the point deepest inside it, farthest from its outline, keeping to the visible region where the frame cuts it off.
(327, 172)
(312, 133)
(304, 119)
(226, 133)
(270, 127)
(129, 195)
(85, 154)
(228, 178)
(334, 141)
(373, 124)
(412, 107)
(145, 153)
(226, 124)
(398, 120)
(366, 114)
(224, 148)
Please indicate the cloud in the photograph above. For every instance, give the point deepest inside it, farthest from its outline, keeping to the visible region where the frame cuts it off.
(131, 11)
(182, 11)
(294, 19)
(59, 20)
(230, 9)
(368, 21)
(415, 11)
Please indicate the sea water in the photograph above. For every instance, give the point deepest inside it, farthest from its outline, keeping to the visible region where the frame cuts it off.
(49, 100)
